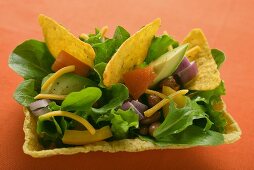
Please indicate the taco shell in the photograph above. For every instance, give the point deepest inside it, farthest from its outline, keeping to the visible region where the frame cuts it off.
(33, 148)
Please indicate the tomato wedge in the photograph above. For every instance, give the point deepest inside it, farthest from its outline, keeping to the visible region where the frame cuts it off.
(138, 80)
(65, 59)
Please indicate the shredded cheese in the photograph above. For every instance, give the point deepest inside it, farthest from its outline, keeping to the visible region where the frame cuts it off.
(56, 75)
(81, 120)
(84, 36)
(163, 96)
(191, 53)
(155, 108)
(50, 96)
(103, 31)
(166, 100)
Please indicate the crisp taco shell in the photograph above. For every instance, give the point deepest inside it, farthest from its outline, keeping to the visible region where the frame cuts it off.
(33, 148)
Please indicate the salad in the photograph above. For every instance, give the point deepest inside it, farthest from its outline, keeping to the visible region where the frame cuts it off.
(121, 93)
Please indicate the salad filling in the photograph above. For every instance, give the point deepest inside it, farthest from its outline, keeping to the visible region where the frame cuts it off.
(93, 88)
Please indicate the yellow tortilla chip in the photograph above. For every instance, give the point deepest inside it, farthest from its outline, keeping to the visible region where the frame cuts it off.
(130, 54)
(32, 147)
(208, 77)
(58, 38)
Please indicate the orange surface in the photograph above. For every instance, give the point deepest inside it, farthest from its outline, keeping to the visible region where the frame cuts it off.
(228, 25)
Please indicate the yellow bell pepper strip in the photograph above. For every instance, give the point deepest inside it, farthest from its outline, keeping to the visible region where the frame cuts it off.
(50, 96)
(79, 119)
(179, 99)
(56, 75)
(163, 102)
(75, 137)
(191, 53)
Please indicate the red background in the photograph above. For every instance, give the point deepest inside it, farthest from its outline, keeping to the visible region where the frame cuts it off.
(228, 25)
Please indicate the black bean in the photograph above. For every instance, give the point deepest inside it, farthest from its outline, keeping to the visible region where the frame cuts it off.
(143, 130)
(153, 100)
(148, 120)
(170, 82)
(153, 127)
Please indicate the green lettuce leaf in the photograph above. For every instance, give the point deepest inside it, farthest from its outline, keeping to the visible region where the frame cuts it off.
(31, 60)
(191, 136)
(122, 121)
(218, 56)
(120, 36)
(113, 97)
(25, 92)
(207, 99)
(50, 131)
(99, 69)
(82, 100)
(104, 50)
(179, 119)
(159, 46)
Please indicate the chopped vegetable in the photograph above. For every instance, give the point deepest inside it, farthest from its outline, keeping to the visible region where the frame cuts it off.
(138, 80)
(129, 105)
(41, 111)
(178, 99)
(56, 75)
(75, 137)
(188, 73)
(65, 59)
(81, 120)
(184, 64)
(39, 104)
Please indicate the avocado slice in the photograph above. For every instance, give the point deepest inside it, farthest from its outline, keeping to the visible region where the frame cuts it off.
(166, 64)
(67, 83)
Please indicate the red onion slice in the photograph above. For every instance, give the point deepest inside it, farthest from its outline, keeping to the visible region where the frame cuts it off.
(140, 106)
(40, 111)
(184, 64)
(127, 105)
(188, 73)
(39, 104)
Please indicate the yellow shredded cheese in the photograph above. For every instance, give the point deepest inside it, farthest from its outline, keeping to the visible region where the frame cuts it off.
(50, 96)
(191, 53)
(84, 36)
(155, 108)
(79, 119)
(56, 75)
(103, 31)
(148, 91)
(163, 102)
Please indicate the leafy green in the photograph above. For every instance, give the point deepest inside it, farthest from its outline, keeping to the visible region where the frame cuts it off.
(53, 106)
(113, 98)
(25, 92)
(51, 130)
(99, 69)
(159, 46)
(218, 56)
(120, 36)
(82, 100)
(179, 119)
(207, 99)
(122, 121)
(191, 136)
(31, 60)
(104, 50)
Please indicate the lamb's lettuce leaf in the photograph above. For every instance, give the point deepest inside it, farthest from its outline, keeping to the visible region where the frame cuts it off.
(159, 46)
(31, 60)
(218, 56)
(25, 92)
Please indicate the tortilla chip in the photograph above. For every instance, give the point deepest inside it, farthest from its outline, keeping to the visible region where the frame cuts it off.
(58, 38)
(130, 54)
(33, 148)
(208, 77)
